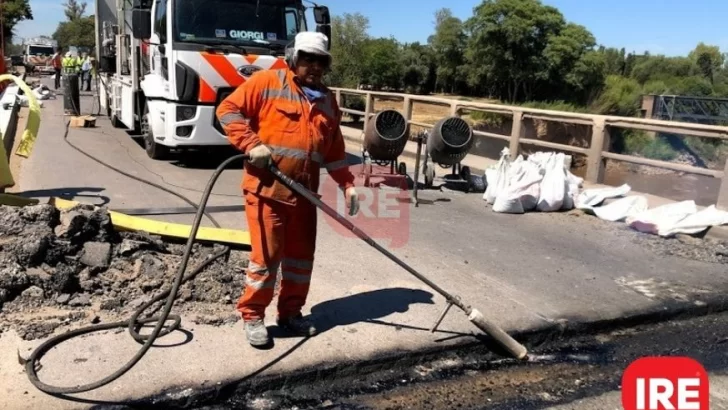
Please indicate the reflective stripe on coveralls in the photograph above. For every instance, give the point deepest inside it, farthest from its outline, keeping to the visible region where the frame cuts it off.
(280, 235)
(270, 108)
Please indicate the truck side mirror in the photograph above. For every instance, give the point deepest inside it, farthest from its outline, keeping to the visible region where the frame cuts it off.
(141, 19)
(321, 15)
(326, 30)
(141, 23)
(323, 22)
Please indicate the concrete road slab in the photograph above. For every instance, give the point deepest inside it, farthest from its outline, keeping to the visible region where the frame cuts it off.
(521, 271)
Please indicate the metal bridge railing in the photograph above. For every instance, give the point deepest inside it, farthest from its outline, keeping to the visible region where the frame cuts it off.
(601, 125)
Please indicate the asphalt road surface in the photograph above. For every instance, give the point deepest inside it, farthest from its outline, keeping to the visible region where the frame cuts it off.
(584, 373)
(523, 271)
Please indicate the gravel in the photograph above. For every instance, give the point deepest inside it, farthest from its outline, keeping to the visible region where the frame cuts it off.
(71, 268)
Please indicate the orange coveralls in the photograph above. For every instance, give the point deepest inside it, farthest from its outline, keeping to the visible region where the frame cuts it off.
(271, 108)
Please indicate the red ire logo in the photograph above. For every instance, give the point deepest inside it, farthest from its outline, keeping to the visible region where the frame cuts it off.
(665, 383)
(384, 210)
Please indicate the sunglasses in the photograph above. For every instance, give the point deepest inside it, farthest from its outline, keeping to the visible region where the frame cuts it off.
(313, 58)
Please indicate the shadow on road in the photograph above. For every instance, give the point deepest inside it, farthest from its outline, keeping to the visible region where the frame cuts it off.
(364, 307)
(70, 193)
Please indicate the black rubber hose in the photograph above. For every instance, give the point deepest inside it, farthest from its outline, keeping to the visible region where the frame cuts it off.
(134, 323)
(158, 186)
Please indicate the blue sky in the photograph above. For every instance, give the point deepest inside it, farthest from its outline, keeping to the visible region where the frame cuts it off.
(671, 27)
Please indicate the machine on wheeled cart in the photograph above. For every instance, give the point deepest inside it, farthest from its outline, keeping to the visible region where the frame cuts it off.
(446, 144)
(385, 138)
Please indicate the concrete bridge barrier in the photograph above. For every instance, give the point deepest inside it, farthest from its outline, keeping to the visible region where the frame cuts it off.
(591, 133)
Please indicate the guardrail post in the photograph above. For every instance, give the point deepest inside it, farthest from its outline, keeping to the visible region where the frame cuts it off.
(454, 109)
(723, 192)
(595, 166)
(338, 97)
(369, 108)
(407, 111)
(517, 131)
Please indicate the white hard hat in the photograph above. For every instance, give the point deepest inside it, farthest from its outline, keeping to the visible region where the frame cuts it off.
(312, 42)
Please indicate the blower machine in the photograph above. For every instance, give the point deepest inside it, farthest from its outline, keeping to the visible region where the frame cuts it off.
(447, 144)
(385, 138)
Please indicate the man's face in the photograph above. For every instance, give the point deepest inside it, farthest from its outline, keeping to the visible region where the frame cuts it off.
(310, 68)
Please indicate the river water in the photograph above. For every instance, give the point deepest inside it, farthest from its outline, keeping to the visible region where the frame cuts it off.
(678, 187)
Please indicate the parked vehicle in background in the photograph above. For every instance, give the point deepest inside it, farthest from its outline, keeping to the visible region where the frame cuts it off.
(164, 65)
(38, 54)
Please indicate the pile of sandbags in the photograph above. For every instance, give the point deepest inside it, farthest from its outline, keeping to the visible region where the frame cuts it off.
(540, 183)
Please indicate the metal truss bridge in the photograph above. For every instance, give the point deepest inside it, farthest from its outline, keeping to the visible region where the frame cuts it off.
(702, 110)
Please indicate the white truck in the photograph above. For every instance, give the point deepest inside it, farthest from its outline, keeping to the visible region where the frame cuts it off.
(165, 65)
(39, 53)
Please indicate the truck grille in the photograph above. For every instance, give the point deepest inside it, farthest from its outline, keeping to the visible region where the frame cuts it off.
(222, 93)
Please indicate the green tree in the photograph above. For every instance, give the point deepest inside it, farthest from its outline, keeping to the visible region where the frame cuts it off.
(448, 46)
(507, 41)
(79, 33)
(348, 33)
(74, 10)
(382, 63)
(78, 30)
(418, 68)
(708, 60)
(13, 12)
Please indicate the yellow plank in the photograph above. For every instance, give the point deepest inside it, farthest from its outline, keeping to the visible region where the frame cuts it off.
(166, 229)
(16, 200)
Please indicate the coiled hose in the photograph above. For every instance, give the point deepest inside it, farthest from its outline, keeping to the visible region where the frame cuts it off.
(134, 323)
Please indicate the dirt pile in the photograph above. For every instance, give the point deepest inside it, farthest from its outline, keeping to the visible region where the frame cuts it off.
(67, 268)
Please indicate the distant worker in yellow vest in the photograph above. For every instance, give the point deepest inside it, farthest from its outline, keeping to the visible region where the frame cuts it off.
(71, 64)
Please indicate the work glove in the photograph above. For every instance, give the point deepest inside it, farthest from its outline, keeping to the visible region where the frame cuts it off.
(352, 201)
(260, 156)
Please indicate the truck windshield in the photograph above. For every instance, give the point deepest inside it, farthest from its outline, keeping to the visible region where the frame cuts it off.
(237, 21)
(40, 50)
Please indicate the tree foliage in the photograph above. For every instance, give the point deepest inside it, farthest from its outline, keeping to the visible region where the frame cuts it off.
(14, 11)
(520, 51)
(77, 30)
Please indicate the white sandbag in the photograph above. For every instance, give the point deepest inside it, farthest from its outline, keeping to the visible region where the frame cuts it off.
(621, 209)
(595, 196)
(530, 187)
(489, 176)
(573, 187)
(522, 192)
(662, 218)
(508, 203)
(499, 181)
(553, 186)
(696, 223)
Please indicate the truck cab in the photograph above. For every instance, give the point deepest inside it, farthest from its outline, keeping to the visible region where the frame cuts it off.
(190, 55)
(38, 54)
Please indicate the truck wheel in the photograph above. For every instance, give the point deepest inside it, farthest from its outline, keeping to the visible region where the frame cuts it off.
(154, 150)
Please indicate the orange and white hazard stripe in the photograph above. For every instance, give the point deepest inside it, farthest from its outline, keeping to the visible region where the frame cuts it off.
(219, 70)
(39, 60)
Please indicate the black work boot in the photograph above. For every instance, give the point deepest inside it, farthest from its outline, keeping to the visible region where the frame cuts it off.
(297, 325)
(257, 333)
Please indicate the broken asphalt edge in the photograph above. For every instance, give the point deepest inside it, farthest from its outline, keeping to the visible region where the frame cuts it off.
(715, 232)
(348, 373)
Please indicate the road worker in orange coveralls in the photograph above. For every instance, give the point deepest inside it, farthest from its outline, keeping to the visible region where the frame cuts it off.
(289, 117)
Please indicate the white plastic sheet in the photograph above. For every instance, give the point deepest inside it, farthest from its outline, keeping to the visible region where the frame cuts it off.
(622, 209)
(595, 196)
(681, 217)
